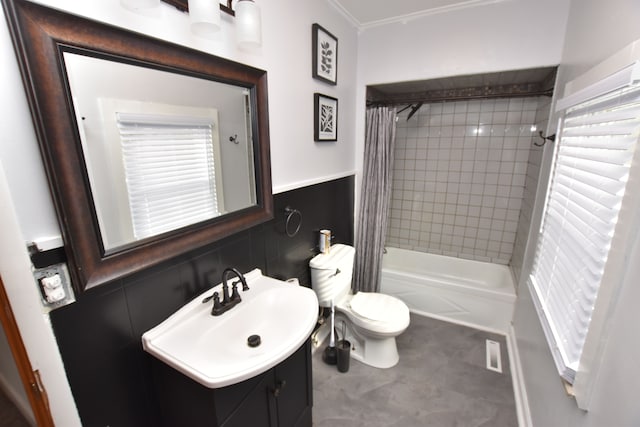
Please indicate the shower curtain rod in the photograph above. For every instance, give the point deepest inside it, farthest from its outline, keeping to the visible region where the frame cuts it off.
(412, 100)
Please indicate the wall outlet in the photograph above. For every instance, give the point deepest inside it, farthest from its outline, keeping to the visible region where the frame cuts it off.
(55, 286)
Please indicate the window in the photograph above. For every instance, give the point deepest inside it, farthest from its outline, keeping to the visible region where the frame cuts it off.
(592, 162)
(169, 171)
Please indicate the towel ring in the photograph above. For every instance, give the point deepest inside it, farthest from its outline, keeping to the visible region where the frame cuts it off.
(290, 212)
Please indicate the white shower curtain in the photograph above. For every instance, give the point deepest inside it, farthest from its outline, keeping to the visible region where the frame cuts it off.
(374, 198)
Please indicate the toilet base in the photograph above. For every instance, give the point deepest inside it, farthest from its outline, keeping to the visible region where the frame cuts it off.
(377, 352)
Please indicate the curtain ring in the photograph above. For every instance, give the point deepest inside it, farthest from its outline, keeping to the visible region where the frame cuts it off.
(290, 213)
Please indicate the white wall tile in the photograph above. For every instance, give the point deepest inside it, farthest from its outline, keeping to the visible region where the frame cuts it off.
(460, 169)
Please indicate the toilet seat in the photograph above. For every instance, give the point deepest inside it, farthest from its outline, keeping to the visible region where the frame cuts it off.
(377, 313)
(376, 306)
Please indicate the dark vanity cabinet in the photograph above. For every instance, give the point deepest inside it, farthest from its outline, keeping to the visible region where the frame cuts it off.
(280, 397)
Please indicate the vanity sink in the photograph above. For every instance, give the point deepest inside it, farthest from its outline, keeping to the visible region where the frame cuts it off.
(271, 322)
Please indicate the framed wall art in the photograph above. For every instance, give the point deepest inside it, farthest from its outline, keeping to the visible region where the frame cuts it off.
(325, 55)
(325, 122)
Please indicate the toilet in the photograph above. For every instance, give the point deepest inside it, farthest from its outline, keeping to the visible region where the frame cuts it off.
(373, 320)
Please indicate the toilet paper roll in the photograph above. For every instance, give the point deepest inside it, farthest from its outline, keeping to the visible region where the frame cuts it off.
(325, 241)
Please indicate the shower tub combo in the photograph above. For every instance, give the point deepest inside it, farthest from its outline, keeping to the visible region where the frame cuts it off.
(472, 293)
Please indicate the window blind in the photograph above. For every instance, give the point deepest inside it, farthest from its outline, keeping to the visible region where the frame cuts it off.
(169, 171)
(591, 167)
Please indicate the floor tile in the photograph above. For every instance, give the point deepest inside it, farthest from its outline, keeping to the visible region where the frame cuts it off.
(441, 380)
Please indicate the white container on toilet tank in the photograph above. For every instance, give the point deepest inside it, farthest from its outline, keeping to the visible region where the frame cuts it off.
(324, 242)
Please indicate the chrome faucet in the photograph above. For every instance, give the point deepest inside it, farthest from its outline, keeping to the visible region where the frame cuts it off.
(228, 301)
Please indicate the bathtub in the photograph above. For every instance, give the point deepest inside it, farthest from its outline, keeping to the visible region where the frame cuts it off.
(471, 293)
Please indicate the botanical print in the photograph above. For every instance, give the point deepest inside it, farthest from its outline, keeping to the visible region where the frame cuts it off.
(327, 49)
(325, 55)
(326, 58)
(326, 119)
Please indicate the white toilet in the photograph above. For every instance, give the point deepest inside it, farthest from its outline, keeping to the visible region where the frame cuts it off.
(373, 320)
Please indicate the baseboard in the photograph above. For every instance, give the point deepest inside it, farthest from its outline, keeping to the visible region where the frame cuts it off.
(517, 378)
(23, 405)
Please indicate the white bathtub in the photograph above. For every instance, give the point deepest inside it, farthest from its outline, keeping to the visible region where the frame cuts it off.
(472, 293)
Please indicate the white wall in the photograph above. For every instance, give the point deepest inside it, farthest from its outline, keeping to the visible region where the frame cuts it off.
(511, 35)
(295, 158)
(595, 31)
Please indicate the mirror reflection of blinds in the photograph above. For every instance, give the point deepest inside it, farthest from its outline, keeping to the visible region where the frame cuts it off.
(169, 170)
(592, 162)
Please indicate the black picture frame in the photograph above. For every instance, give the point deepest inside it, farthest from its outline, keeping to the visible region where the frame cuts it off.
(325, 55)
(325, 118)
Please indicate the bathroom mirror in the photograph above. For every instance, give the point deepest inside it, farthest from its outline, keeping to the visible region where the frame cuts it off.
(151, 149)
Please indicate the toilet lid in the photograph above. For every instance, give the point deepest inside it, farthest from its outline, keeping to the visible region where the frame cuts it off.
(376, 306)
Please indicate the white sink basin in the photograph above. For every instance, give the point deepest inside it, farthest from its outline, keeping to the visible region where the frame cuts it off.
(213, 350)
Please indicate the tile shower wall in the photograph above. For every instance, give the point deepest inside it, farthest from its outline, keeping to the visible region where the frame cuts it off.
(459, 177)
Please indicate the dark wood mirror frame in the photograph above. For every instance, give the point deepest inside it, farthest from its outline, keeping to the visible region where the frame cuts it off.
(40, 36)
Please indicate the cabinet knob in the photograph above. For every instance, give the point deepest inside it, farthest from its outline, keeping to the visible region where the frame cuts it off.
(279, 386)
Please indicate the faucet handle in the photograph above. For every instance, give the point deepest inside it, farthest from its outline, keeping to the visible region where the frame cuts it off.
(216, 304)
(245, 287)
(235, 295)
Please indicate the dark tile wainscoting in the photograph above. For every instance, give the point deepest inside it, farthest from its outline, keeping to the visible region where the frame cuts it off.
(99, 335)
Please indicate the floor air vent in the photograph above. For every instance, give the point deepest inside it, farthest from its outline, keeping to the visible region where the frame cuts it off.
(494, 358)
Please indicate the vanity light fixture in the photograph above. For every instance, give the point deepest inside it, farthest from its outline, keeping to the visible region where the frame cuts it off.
(205, 16)
(248, 24)
(138, 5)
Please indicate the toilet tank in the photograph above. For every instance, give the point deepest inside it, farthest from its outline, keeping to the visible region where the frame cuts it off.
(331, 274)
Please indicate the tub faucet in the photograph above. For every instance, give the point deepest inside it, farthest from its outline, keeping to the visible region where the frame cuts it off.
(228, 301)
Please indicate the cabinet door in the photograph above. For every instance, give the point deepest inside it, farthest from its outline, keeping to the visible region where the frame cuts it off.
(257, 409)
(184, 402)
(295, 396)
(181, 401)
(280, 397)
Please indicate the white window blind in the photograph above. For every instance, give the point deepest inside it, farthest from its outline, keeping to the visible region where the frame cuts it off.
(592, 163)
(169, 171)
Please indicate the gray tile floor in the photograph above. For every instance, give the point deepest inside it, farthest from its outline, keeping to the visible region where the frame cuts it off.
(441, 381)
